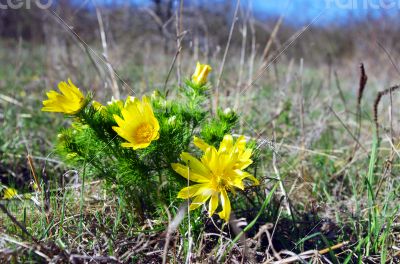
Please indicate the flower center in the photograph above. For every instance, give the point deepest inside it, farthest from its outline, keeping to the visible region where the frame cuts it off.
(221, 183)
(144, 133)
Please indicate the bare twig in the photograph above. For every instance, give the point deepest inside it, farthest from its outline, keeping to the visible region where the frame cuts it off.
(242, 57)
(87, 48)
(171, 68)
(114, 84)
(74, 258)
(271, 39)
(179, 29)
(32, 168)
(389, 57)
(221, 69)
(288, 44)
(347, 129)
(340, 90)
(173, 225)
(278, 176)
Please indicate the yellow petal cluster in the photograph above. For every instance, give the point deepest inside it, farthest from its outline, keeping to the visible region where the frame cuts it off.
(138, 125)
(201, 73)
(216, 173)
(70, 101)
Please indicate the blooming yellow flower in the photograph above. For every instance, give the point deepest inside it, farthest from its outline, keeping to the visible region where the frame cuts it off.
(69, 102)
(218, 172)
(200, 75)
(9, 193)
(239, 148)
(138, 124)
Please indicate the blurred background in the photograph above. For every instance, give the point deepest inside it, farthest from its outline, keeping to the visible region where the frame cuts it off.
(136, 31)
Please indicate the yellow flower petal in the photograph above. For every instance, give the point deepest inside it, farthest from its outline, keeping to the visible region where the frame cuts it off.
(70, 101)
(199, 200)
(200, 144)
(201, 73)
(213, 204)
(226, 143)
(194, 190)
(211, 159)
(241, 143)
(185, 171)
(252, 178)
(226, 206)
(195, 165)
(9, 193)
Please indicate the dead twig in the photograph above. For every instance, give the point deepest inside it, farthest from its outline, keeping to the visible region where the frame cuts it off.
(114, 84)
(221, 69)
(347, 129)
(74, 258)
(173, 225)
(89, 51)
(171, 68)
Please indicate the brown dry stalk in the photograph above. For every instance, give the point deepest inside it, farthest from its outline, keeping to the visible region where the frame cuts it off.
(114, 84)
(361, 88)
(272, 39)
(362, 84)
(221, 69)
(376, 104)
(32, 168)
(337, 246)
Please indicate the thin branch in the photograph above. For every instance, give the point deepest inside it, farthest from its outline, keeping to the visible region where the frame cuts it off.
(347, 129)
(114, 84)
(221, 69)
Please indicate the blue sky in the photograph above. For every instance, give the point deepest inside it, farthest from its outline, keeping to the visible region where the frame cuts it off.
(326, 10)
(303, 11)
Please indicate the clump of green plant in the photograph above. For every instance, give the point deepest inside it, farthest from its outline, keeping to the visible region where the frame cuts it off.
(136, 145)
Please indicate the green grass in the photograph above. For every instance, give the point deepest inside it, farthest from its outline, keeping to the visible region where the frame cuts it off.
(332, 199)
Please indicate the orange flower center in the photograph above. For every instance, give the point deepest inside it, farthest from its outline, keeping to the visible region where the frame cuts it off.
(144, 133)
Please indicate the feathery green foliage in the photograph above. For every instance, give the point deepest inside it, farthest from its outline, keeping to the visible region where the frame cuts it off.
(144, 176)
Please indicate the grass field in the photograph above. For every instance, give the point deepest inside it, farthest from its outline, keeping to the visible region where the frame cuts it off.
(325, 151)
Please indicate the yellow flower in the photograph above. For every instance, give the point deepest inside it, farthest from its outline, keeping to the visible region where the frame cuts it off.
(200, 75)
(69, 102)
(9, 193)
(138, 124)
(218, 172)
(239, 149)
